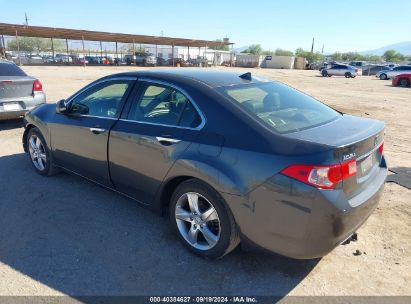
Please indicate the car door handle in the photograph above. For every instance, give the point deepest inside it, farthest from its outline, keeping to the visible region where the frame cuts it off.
(166, 141)
(97, 130)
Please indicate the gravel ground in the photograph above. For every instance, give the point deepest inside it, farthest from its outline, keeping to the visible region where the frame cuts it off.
(64, 235)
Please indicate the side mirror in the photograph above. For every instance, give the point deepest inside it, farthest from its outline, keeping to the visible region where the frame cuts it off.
(61, 106)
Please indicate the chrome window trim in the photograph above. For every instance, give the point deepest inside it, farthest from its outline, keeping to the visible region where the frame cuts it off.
(184, 92)
(91, 85)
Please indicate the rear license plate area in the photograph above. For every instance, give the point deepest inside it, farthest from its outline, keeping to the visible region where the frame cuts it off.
(11, 106)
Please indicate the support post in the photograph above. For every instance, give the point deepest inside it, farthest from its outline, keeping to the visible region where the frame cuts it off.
(116, 51)
(134, 51)
(172, 53)
(101, 52)
(52, 47)
(67, 48)
(18, 47)
(82, 40)
(232, 56)
(205, 56)
(188, 50)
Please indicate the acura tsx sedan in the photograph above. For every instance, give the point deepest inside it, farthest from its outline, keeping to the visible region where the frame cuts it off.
(230, 158)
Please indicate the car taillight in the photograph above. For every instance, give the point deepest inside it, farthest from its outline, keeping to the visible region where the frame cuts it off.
(37, 86)
(324, 177)
(381, 148)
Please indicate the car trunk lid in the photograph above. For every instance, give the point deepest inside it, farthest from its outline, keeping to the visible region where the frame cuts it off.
(16, 86)
(351, 138)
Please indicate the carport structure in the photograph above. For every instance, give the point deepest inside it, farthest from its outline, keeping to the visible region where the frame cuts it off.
(84, 35)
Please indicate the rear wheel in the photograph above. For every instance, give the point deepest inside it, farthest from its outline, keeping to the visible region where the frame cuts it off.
(324, 73)
(383, 76)
(40, 155)
(403, 82)
(202, 220)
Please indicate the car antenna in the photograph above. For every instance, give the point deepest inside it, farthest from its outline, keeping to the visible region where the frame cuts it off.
(246, 76)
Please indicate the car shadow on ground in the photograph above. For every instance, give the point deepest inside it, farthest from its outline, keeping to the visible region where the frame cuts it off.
(11, 124)
(81, 240)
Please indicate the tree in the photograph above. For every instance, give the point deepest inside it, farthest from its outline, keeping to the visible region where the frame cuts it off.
(34, 45)
(281, 52)
(336, 56)
(254, 49)
(393, 56)
(374, 58)
(351, 56)
(310, 57)
(222, 47)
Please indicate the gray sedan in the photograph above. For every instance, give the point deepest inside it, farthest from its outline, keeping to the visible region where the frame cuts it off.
(340, 70)
(19, 93)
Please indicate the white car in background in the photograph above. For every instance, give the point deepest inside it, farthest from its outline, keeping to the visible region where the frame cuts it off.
(337, 69)
(390, 74)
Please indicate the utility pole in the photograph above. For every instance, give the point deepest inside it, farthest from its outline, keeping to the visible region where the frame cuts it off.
(26, 19)
(312, 46)
(322, 50)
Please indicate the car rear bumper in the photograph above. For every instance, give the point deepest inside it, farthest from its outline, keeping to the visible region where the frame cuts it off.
(299, 221)
(20, 105)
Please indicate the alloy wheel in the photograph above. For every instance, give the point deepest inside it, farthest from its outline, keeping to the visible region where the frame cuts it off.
(37, 152)
(197, 221)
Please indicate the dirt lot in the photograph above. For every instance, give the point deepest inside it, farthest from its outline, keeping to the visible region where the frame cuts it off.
(64, 235)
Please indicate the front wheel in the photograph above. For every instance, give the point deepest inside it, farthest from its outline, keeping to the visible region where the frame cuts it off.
(404, 82)
(383, 76)
(40, 155)
(324, 73)
(202, 220)
(347, 75)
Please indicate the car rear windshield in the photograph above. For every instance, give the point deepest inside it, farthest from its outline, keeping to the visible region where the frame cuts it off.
(10, 69)
(281, 108)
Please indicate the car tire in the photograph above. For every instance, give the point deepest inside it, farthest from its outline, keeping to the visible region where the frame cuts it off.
(347, 75)
(40, 155)
(202, 220)
(383, 76)
(128, 62)
(403, 82)
(324, 73)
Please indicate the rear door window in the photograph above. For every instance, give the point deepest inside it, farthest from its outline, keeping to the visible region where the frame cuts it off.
(281, 108)
(10, 69)
(163, 105)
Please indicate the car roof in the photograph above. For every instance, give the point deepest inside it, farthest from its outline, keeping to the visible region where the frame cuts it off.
(210, 78)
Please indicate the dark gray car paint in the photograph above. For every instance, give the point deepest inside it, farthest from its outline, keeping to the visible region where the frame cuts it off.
(233, 153)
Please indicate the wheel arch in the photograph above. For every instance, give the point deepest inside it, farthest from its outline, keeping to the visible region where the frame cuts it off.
(25, 133)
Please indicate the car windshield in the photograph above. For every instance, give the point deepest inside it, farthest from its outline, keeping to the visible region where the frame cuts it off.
(10, 69)
(281, 108)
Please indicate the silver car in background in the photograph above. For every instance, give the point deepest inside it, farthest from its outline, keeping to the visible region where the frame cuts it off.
(340, 70)
(19, 93)
(390, 74)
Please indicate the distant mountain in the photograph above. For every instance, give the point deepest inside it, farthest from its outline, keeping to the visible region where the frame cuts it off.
(402, 47)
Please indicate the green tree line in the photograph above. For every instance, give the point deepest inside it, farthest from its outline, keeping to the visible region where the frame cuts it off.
(35, 45)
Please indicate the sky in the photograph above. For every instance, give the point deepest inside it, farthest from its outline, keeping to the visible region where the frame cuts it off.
(339, 25)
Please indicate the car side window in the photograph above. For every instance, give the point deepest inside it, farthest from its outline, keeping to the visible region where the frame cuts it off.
(163, 105)
(102, 100)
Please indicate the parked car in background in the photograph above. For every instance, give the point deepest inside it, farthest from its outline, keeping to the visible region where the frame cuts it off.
(49, 59)
(287, 183)
(371, 70)
(19, 93)
(141, 58)
(390, 74)
(162, 61)
(340, 70)
(179, 62)
(61, 58)
(92, 59)
(402, 80)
